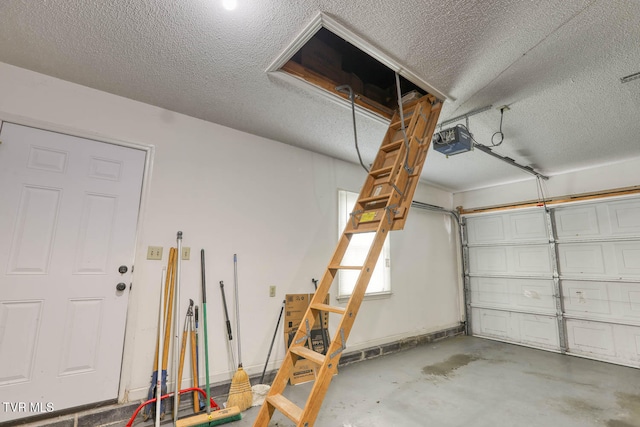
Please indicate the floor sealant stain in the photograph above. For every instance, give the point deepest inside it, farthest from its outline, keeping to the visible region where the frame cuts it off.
(630, 403)
(447, 367)
(573, 406)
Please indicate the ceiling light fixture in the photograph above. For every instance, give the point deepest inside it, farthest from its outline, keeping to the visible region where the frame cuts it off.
(229, 4)
(630, 77)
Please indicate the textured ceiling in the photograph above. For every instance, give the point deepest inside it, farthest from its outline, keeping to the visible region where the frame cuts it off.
(556, 63)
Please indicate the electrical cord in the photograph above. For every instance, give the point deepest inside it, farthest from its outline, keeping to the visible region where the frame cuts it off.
(499, 132)
(542, 200)
(404, 133)
(493, 143)
(342, 89)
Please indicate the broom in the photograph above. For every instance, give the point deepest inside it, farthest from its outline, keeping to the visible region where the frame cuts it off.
(240, 393)
(222, 416)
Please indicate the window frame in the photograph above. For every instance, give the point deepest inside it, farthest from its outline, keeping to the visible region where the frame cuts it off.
(380, 279)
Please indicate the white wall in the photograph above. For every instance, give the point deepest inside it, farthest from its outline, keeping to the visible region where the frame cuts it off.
(607, 177)
(231, 192)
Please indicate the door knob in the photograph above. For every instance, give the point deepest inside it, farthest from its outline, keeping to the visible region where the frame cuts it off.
(121, 286)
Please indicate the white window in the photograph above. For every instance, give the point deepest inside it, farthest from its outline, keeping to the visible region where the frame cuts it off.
(380, 282)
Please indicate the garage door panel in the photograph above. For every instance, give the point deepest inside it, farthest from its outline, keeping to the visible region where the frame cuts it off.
(586, 297)
(489, 229)
(628, 258)
(535, 294)
(528, 226)
(490, 291)
(590, 338)
(580, 259)
(539, 330)
(628, 342)
(503, 228)
(577, 222)
(610, 342)
(625, 218)
(614, 260)
(630, 300)
(526, 260)
(532, 260)
(502, 292)
(485, 260)
(600, 300)
(598, 220)
(520, 328)
(492, 323)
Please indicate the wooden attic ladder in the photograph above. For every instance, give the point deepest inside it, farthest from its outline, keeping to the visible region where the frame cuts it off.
(382, 206)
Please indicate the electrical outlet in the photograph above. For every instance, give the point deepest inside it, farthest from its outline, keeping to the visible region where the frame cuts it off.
(186, 253)
(154, 252)
(272, 291)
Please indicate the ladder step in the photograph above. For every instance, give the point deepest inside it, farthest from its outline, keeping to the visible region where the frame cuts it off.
(287, 407)
(392, 146)
(377, 198)
(345, 267)
(381, 172)
(329, 308)
(365, 227)
(407, 118)
(308, 354)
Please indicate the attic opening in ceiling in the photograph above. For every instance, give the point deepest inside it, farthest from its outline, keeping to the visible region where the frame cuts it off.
(326, 60)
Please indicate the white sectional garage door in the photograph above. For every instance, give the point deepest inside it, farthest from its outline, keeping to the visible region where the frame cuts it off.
(599, 265)
(567, 280)
(511, 278)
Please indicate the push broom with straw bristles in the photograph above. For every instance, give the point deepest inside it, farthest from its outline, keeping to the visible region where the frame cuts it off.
(240, 393)
(222, 416)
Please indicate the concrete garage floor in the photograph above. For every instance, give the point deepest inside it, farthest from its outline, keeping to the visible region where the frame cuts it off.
(456, 382)
(467, 381)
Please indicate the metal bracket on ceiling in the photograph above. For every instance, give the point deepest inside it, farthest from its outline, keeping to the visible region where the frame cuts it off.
(466, 116)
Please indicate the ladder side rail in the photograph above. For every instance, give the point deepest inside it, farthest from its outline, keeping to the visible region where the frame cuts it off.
(286, 367)
(422, 117)
(324, 287)
(426, 129)
(408, 158)
(341, 336)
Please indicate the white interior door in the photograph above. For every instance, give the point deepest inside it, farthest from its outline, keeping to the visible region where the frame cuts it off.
(68, 222)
